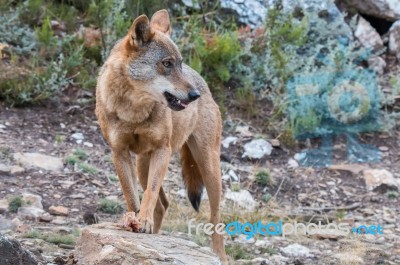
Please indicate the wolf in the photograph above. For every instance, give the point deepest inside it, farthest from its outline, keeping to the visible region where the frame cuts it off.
(150, 103)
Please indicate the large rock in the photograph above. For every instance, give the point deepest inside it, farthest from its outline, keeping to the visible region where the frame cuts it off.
(104, 244)
(39, 160)
(251, 12)
(394, 39)
(12, 253)
(367, 35)
(387, 9)
(380, 179)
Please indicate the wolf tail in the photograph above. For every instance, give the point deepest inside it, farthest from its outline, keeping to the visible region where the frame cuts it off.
(191, 177)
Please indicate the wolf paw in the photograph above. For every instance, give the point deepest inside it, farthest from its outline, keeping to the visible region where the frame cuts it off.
(146, 224)
(130, 222)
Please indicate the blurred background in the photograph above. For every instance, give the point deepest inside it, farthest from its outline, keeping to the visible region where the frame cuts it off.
(310, 96)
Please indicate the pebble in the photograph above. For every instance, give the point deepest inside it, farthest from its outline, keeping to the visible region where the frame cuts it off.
(59, 210)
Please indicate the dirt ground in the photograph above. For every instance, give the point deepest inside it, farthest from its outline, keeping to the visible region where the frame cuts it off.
(302, 194)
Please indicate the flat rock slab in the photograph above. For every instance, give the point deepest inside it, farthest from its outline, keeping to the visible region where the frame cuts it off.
(45, 162)
(104, 245)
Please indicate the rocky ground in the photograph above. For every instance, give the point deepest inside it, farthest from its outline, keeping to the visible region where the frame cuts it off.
(56, 159)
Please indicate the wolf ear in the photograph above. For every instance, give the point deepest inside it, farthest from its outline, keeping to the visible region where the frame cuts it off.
(160, 21)
(140, 32)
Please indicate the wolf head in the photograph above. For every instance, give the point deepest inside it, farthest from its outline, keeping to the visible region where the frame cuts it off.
(156, 63)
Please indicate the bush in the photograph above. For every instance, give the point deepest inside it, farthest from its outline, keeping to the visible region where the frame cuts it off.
(110, 206)
(14, 203)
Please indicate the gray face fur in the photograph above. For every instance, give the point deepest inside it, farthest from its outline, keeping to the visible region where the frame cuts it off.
(145, 67)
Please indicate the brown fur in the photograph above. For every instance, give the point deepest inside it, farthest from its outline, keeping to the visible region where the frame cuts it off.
(134, 116)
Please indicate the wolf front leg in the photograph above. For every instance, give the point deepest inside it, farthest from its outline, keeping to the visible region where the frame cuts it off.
(129, 184)
(159, 160)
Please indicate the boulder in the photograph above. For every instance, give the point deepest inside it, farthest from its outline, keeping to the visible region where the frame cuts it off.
(367, 35)
(12, 253)
(105, 244)
(386, 9)
(394, 39)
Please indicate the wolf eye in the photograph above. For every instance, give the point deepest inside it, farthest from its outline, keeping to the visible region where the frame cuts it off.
(167, 64)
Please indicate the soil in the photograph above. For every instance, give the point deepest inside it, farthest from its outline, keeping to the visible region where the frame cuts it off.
(303, 194)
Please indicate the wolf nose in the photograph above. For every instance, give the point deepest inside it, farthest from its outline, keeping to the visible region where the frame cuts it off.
(193, 95)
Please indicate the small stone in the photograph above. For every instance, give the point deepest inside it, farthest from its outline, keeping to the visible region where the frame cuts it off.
(377, 64)
(4, 169)
(228, 141)
(30, 213)
(3, 205)
(367, 35)
(88, 144)
(32, 200)
(57, 196)
(77, 136)
(233, 175)
(17, 170)
(39, 160)
(257, 149)
(275, 142)
(16, 223)
(59, 220)
(296, 250)
(77, 196)
(292, 164)
(384, 148)
(243, 198)
(58, 210)
(46, 218)
(5, 224)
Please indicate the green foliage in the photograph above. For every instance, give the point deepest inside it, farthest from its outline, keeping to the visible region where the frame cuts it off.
(45, 33)
(86, 168)
(59, 239)
(80, 154)
(110, 206)
(32, 234)
(238, 251)
(14, 203)
(392, 195)
(266, 197)
(263, 177)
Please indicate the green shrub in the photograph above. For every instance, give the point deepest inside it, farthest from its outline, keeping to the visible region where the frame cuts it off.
(263, 177)
(110, 206)
(237, 251)
(14, 203)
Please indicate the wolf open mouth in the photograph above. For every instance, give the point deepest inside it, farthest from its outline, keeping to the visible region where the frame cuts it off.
(174, 103)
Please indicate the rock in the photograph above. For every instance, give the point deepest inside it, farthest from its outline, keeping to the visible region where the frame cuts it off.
(5, 224)
(394, 39)
(233, 175)
(275, 142)
(46, 218)
(296, 250)
(59, 210)
(12, 253)
(249, 12)
(104, 245)
(367, 35)
(377, 179)
(292, 164)
(256, 149)
(17, 170)
(39, 160)
(30, 213)
(377, 64)
(4, 169)
(243, 198)
(3, 205)
(32, 200)
(386, 9)
(13, 170)
(59, 220)
(228, 141)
